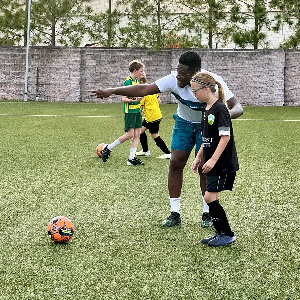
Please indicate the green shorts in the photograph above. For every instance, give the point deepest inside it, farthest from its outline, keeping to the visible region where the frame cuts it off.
(133, 120)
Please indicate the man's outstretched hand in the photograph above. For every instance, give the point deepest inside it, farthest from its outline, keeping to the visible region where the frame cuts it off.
(102, 93)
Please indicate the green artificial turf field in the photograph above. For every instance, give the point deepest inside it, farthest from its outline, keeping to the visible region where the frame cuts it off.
(119, 251)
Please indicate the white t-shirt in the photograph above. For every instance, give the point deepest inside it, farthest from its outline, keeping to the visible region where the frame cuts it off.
(188, 106)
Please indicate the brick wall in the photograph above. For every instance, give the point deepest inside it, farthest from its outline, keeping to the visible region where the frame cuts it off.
(256, 77)
(292, 78)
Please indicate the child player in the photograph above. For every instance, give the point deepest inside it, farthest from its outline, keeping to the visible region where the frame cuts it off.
(150, 107)
(217, 154)
(187, 128)
(132, 118)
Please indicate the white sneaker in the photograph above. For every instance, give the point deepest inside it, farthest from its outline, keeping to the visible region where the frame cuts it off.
(165, 156)
(142, 153)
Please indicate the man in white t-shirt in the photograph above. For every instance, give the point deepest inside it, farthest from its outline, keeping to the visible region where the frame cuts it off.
(187, 128)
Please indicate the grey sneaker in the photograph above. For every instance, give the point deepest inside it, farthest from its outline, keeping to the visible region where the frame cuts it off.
(105, 154)
(206, 220)
(222, 240)
(135, 162)
(172, 220)
(207, 240)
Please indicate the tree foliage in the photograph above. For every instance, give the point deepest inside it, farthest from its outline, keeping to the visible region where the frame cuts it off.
(289, 13)
(255, 35)
(12, 22)
(104, 27)
(208, 17)
(52, 22)
(150, 24)
(58, 21)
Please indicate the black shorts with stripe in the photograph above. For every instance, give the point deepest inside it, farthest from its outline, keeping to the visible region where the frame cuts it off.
(218, 183)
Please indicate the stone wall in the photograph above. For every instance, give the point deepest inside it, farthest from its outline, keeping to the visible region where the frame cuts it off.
(292, 78)
(256, 77)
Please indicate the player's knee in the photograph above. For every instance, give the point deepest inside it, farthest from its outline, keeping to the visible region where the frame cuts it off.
(210, 197)
(129, 135)
(176, 164)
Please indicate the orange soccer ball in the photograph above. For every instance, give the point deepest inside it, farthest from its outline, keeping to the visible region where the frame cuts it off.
(99, 149)
(61, 229)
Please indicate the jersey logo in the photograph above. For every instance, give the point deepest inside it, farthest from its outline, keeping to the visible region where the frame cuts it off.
(192, 105)
(211, 119)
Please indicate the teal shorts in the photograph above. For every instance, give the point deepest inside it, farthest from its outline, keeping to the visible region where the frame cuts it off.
(186, 135)
(133, 120)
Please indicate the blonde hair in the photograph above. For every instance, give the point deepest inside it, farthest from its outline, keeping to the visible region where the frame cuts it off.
(208, 80)
(143, 79)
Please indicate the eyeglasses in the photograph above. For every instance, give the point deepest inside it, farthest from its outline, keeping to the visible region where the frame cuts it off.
(200, 88)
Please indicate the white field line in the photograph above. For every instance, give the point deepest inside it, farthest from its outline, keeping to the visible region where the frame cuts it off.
(265, 120)
(74, 116)
(9, 115)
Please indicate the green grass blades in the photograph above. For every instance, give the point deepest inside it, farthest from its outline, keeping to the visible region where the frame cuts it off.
(49, 167)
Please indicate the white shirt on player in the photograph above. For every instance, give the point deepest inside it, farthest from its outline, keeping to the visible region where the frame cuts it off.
(188, 106)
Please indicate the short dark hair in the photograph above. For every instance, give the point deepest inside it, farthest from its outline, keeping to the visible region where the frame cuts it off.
(192, 60)
(135, 65)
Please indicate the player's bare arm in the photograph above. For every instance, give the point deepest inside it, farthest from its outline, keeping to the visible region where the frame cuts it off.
(102, 93)
(137, 90)
(224, 139)
(235, 108)
(197, 161)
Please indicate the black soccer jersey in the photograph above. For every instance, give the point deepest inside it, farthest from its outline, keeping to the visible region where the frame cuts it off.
(216, 122)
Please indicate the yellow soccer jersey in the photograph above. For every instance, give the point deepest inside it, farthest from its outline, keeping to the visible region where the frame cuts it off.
(151, 108)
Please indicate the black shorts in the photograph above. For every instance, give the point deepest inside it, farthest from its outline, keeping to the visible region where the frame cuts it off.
(218, 183)
(153, 127)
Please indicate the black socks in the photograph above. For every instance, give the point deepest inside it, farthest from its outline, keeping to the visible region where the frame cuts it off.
(144, 142)
(159, 143)
(162, 145)
(219, 218)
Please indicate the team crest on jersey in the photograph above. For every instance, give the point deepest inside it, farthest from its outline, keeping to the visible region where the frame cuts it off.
(211, 119)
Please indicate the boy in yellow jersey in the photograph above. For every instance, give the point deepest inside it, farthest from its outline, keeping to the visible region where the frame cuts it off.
(132, 118)
(150, 107)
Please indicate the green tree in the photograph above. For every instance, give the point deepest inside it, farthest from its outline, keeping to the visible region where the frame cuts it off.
(289, 13)
(104, 27)
(13, 23)
(59, 22)
(205, 17)
(258, 12)
(149, 24)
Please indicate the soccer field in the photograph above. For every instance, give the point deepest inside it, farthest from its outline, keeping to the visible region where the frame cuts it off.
(49, 167)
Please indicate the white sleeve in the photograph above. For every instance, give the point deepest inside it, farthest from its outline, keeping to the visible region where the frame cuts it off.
(224, 131)
(167, 83)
